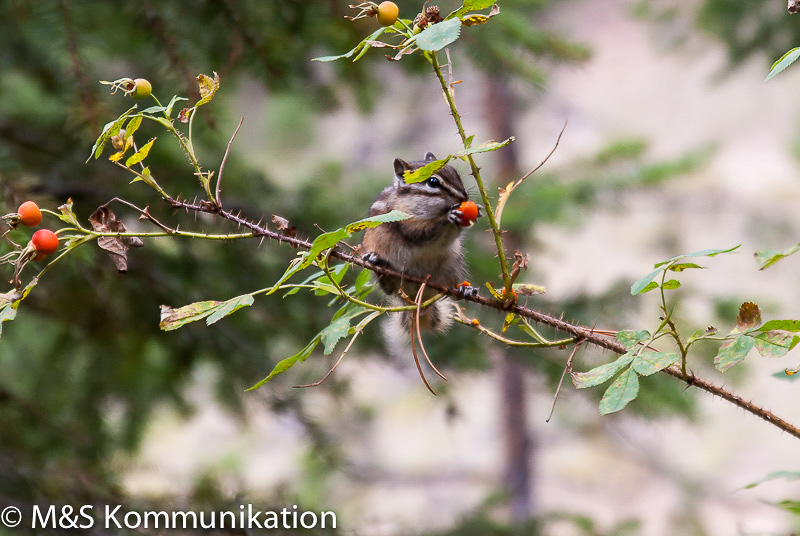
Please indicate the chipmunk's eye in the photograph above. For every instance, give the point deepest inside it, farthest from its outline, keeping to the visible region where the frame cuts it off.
(434, 182)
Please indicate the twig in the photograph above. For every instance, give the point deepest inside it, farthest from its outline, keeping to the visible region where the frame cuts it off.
(416, 359)
(418, 301)
(224, 159)
(567, 368)
(501, 203)
(347, 348)
(476, 325)
(144, 212)
(543, 162)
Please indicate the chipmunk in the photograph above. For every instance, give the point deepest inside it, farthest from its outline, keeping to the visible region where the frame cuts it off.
(427, 243)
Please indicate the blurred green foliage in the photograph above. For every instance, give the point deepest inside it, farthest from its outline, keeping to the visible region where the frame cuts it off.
(83, 367)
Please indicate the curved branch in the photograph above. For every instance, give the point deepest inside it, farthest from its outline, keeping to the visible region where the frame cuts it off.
(580, 333)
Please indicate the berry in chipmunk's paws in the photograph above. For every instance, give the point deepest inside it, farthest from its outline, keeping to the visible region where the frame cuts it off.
(469, 213)
(29, 214)
(387, 13)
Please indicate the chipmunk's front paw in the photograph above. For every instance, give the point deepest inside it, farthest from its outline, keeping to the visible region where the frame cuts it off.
(374, 259)
(465, 214)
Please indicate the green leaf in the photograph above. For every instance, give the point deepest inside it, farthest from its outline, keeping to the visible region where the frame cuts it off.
(785, 475)
(733, 352)
(229, 307)
(783, 62)
(153, 110)
(437, 36)
(425, 172)
(111, 128)
(644, 284)
(364, 44)
(775, 343)
(295, 266)
(649, 363)
(339, 271)
(67, 216)
(374, 221)
(133, 125)
(470, 5)
(172, 319)
(307, 281)
(768, 258)
(8, 312)
(362, 281)
(484, 147)
(510, 320)
(339, 328)
(782, 325)
(171, 105)
(9, 302)
(672, 284)
(624, 389)
(601, 374)
(141, 154)
(289, 362)
(679, 267)
(652, 285)
(701, 253)
(790, 506)
(629, 339)
(322, 288)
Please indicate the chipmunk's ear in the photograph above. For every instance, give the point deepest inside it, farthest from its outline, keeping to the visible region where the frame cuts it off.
(400, 167)
(430, 157)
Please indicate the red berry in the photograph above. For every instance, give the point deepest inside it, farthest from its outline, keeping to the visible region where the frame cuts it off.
(29, 214)
(387, 13)
(469, 213)
(45, 241)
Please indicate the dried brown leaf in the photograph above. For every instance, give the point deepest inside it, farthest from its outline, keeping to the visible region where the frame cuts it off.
(104, 220)
(183, 115)
(749, 317)
(283, 226)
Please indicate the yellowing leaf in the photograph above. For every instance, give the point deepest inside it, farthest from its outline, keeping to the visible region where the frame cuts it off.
(175, 318)
(208, 88)
(502, 199)
(141, 154)
(474, 20)
(425, 172)
(733, 352)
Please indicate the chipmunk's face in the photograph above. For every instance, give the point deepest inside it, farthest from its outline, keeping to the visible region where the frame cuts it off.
(431, 198)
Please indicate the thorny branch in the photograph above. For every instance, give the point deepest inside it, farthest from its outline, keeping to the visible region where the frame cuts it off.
(579, 333)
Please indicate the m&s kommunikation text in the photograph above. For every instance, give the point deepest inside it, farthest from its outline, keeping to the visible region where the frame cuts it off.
(246, 517)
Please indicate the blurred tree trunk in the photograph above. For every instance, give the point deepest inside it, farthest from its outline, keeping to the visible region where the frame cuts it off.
(517, 438)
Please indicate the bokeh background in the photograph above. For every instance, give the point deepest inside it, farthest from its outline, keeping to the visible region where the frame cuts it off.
(674, 144)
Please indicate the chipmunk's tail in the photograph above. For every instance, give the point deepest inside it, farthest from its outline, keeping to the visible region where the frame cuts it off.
(437, 317)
